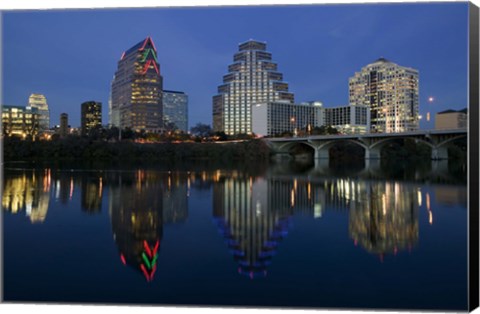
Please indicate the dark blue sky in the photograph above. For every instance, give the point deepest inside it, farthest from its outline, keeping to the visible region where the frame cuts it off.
(70, 56)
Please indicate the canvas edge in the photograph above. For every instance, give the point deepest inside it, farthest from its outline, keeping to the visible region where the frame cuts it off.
(473, 164)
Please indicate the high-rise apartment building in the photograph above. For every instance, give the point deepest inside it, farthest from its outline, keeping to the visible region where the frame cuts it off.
(391, 92)
(91, 117)
(175, 109)
(136, 94)
(39, 102)
(252, 79)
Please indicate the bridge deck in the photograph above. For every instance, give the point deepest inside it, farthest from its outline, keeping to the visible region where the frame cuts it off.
(368, 135)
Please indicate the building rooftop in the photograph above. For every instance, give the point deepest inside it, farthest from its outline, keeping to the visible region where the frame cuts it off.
(252, 45)
(452, 111)
(382, 60)
(136, 47)
(173, 92)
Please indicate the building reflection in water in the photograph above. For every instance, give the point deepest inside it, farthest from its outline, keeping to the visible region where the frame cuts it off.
(135, 207)
(62, 186)
(175, 197)
(445, 195)
(251, 227)
(253, 214)
(383, 216)
(384, 220)
(29, 192)
(91, 190)
(140, 203)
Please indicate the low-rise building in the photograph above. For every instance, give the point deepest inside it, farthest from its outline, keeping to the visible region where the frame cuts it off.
(20, 121)
(451, 119)
(275, 118)
(348, 119)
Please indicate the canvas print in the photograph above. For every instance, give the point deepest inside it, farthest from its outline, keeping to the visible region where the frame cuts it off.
(281, 156)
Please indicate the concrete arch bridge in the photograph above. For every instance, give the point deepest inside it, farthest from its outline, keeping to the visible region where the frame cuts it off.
(437, 140)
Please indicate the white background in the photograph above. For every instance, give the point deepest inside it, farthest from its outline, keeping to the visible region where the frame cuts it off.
(74, 309)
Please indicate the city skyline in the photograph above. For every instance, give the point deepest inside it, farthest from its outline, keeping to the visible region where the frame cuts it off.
(318, 51)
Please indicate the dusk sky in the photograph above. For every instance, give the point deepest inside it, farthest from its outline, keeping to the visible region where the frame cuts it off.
(70, 56)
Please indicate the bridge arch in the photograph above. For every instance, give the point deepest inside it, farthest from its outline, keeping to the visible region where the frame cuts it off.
(323, 149)
(380, 143)
(289, 145)
(448, 141)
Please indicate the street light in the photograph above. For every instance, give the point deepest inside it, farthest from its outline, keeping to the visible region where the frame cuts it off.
(292, 120)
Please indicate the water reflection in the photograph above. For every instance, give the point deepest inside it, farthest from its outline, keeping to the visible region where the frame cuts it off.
(28, 192)
(385, 220)
(91, 191)
(252, 212)
(175, 197)
(136, 215)
(252, 229)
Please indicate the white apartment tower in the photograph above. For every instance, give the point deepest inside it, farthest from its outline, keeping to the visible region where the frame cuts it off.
(252, 79)
(391, 93)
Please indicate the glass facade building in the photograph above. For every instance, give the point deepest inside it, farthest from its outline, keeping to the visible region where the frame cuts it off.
(252, 79)
(91, 117)
(391, 93)
(20, 121)
(136, 93)
(39, 102)
(175, 109)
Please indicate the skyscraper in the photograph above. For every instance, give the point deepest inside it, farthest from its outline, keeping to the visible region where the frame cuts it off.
(253, 78)
(91, 117)
(175, 109)
(136, 94)
(391, 92)
(39, 102)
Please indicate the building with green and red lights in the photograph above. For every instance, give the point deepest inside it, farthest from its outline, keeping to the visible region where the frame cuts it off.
(136, 93)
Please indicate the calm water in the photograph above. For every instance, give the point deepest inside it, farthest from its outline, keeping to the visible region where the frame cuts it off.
(388, 236)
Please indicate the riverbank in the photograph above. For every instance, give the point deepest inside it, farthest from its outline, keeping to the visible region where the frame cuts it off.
(85, 149)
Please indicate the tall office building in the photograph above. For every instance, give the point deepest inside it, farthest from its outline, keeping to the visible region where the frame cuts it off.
(39, 102)
(175, 109)
(252, 78)
(136, 94)
(391, 92)
(63, 130)
(91, 117)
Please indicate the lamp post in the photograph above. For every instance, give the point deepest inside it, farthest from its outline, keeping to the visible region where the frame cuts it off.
(292, 120)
